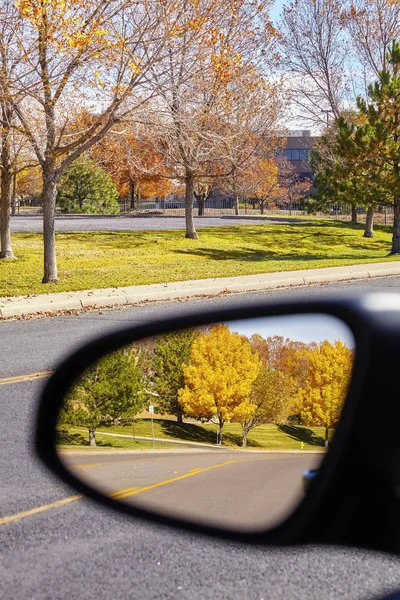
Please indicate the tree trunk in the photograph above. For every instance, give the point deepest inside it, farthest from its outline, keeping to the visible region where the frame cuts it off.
(220, 433)
(49, 211)
(6, 251)
(179, 416)
(14, 194)
(236, 204)
(262, 207)
(326, 436)
(200, 202)
(132, 193)
(369, 224)
(396, 227)
(353, 214)
(92, 436)
(244, 437)
(189, 194)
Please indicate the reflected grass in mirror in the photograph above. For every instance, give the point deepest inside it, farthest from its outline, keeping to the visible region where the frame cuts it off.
(214, 424)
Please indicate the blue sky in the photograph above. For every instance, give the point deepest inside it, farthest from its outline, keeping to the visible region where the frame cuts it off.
(276, 10)
(301, 328)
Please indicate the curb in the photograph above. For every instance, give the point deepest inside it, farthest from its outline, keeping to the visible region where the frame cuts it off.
(225, 450)
(49, 304)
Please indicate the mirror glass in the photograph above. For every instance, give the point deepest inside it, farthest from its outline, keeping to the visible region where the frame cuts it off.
(215, 424)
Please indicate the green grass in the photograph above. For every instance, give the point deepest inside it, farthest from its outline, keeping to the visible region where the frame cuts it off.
(89, 260)
(271, 437)
(71, 438)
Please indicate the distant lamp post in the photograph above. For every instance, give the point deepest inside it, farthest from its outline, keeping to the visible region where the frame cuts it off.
(327, 111)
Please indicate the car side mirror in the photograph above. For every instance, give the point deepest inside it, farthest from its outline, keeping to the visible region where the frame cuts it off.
(209, 422)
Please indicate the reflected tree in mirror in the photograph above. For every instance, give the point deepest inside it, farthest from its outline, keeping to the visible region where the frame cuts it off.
(273, 397)
(219, 377)
(171, 352)
(320, 397)
(111, 391)
(273, 383)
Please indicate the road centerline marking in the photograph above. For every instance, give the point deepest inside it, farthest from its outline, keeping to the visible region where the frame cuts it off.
(39, 509)
(119, 494)
(27, 377)
(179, 478)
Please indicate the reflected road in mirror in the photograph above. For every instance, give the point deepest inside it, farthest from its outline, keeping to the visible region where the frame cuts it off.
(219, 488)
(215, 424)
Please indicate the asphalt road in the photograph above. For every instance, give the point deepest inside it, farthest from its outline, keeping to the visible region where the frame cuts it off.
(79, 550)
(238, 490)
(35, 224)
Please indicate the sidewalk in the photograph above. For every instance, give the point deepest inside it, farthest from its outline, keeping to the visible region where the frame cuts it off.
(112, 297)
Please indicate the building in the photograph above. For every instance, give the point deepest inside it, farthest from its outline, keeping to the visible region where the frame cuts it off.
(297, 150)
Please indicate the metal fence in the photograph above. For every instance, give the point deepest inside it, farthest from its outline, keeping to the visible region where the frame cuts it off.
(225, 207)
(383, 215)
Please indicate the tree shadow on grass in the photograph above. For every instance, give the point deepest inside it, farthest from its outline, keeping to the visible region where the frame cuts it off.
(251, 255)
(236, 438)
(187, 431)
(302, 434)
(66, 437)
(114, 240)
(196, 433)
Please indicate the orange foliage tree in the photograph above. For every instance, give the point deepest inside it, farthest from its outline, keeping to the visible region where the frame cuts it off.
(96, 51)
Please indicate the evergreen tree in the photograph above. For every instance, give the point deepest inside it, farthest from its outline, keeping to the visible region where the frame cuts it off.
(372, 143)
(172, 351)
(86, 188)
(111, 390)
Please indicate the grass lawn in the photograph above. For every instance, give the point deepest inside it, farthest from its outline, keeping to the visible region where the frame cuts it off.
(73, 437)
(271, 437)
(89, 260)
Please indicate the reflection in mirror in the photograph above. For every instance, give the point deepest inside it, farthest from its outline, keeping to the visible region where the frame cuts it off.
(215, 424)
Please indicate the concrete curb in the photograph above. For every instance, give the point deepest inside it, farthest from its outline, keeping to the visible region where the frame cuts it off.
(225, 450)
(113, 297)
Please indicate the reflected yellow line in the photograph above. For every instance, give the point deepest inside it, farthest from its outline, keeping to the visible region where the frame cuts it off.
(118, 495)
(85, 466)
(28, 377)
(179, 478)
(121, 493)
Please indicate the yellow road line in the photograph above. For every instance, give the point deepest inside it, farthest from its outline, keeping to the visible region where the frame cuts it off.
(85, 466)
(28, 377)
(38, 509)
(166, 481)
(118, 495)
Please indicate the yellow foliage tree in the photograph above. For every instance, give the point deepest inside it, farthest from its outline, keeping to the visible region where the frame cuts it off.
(219, 378)
(272, 400)
(321, 397)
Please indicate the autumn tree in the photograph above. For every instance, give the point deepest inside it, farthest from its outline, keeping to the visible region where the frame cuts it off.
(292, 186)
(171, 352)
(112, 389)
(202, 191)
(219, 377)
(250, 139)
(86, 188)
(282, 354)
(264, 180)
(273, 396)
(372, 25)
(11, 57)
(135, 167)
(320, 399)
(208, 72)
(316, 52)
(98, 51)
